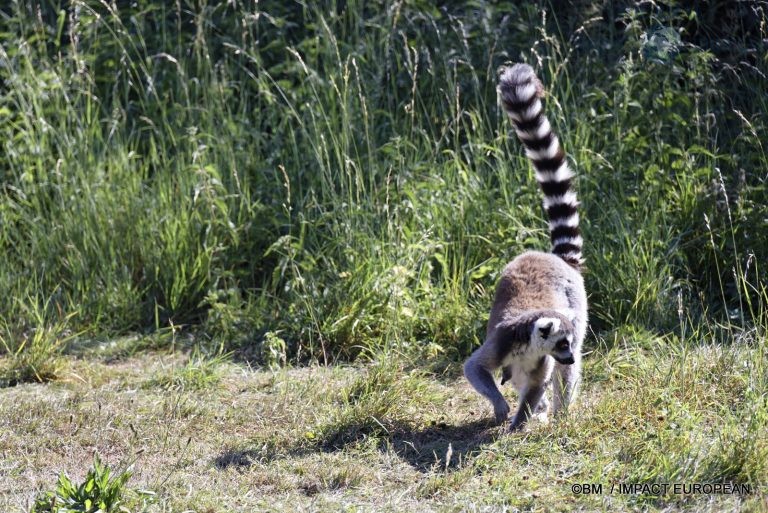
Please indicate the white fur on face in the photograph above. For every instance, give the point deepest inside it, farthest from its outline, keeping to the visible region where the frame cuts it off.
(545, 344)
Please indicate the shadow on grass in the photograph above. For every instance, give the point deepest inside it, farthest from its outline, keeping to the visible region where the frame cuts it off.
(237, 458)
(439, 445)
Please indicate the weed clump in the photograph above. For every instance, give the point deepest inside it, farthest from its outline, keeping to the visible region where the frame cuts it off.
(101, 491)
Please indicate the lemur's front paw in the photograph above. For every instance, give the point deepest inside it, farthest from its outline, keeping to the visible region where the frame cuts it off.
(518, 423)
(501, 410)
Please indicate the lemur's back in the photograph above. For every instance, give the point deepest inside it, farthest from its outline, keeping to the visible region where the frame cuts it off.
(536, 280)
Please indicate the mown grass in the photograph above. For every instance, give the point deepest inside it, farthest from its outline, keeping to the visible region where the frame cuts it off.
(327, 183)
(388, 437)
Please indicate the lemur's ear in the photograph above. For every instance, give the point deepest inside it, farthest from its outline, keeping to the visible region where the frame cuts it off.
(545, 329)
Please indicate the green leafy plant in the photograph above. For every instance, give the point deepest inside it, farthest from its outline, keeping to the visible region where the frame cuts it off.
(100, 492)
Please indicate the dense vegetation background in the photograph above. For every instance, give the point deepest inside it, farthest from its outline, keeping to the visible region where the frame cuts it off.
(200, 199)
(311, 180)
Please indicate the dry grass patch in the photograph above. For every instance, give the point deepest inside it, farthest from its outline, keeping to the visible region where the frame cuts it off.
(386, 437)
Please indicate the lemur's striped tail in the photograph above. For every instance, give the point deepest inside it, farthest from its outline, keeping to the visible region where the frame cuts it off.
(521, 91)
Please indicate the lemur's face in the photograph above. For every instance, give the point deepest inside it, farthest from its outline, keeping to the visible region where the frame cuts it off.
(555, 338)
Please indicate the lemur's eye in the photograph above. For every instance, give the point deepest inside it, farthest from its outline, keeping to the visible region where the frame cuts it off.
(561, 345)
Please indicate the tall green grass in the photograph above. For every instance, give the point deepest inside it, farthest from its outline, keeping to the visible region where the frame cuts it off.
(338, 176)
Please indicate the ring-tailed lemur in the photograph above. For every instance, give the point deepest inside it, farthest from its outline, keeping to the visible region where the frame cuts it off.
(539, 315)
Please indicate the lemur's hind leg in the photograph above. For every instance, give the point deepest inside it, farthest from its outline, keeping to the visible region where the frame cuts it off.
(565, 383)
